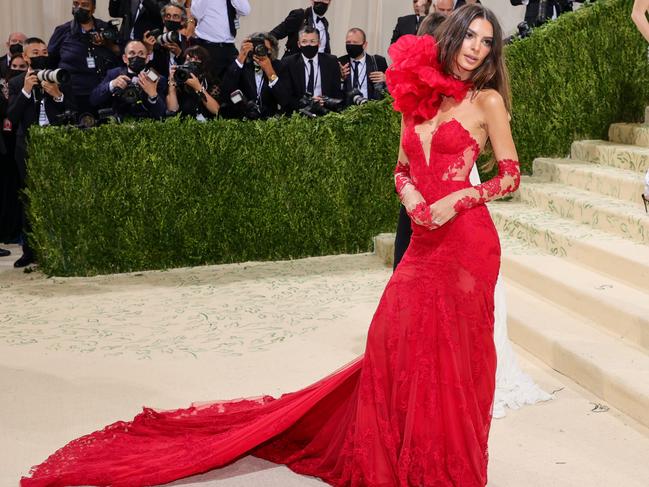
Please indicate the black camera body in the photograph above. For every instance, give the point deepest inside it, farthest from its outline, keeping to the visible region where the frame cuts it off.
(129, 95)
(110, 33)
(249, 108)
(312, 108)
(185, 71)
(259, 46)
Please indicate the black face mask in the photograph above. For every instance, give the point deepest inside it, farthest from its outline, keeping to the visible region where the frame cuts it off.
(173, 26)
(38, 62)
(15, 49)
(310, 51)
(81, 15)
(15, 72)
(136, 64)
(320, 8)
(354, 50)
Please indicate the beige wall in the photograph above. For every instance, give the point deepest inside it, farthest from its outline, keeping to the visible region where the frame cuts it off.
(377, 17)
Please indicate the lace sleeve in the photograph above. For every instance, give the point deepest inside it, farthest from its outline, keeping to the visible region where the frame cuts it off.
(410, 197)
(507, 181)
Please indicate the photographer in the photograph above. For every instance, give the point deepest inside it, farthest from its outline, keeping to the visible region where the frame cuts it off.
(34, 101)
(167, 46)
(255, 74)
(138, 17)
(298, 19)
(192, 91)
(133, 90)
(539, 11)
(409, 24)
(361, 71)
(86, 48)
(310, 75)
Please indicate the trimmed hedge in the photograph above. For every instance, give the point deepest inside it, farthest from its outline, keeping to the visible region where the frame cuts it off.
(574, 77)
(181, 193)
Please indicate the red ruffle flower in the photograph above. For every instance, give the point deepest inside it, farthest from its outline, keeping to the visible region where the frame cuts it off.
(416, 81)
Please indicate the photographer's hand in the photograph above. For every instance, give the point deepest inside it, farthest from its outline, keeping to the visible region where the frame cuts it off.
(148, 40)
(31, 80)
(149, 87)
(246, 47)
(266, 65)
(344, 71)
(121, 81)
(174, 48)
(194, 83)
(52, 89)
(377, 77)
(98, 39)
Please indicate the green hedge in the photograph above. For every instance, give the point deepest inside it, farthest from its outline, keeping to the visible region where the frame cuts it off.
(160, 195)
(575, 76)
(181, 193)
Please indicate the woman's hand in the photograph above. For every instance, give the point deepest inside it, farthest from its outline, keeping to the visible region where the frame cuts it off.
(194, 83)
(442, 211)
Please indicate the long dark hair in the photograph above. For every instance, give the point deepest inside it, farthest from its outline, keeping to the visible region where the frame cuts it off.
(492, 73)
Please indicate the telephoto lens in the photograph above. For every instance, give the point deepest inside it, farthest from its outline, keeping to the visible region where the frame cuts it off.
(57, 76)
(171, 37)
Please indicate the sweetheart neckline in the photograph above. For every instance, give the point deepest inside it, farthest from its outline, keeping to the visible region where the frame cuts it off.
(474, 142)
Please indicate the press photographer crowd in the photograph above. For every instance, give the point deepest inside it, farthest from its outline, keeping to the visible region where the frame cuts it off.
(158, 59)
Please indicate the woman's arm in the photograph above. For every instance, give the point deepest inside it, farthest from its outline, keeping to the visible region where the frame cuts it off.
(172, 96)
(639, 17)
(509, 176)
(410, 197)
(208, 101)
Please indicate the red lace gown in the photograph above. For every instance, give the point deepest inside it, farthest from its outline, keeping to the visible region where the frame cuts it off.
(414, 410)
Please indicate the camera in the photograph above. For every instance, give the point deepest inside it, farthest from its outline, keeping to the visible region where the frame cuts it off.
(259, 46)
(355, 97)
(185, 71)
(251, 110)
(110, 33)
(129, 95)
(312, 108)
(57, 76)
(524, 30)
(86, 120)
(171, 37)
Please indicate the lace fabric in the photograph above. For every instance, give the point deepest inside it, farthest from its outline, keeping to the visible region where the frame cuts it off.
(414, 410)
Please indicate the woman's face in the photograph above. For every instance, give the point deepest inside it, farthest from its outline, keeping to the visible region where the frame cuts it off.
(475, 47)
(19, 64)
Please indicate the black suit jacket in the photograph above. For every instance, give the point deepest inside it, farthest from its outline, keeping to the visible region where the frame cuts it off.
(294, 68)
(532, 15)
(374, 63)
(148, 19)
(460, 3)
(4, 66)
(24, 112)
(406, 25)
(274, 100)
(291, 26)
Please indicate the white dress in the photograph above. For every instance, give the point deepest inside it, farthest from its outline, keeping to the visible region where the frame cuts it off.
(514, 388)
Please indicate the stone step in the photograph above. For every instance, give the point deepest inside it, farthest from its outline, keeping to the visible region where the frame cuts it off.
(617, 308)
(611, 181)
(629, 157)
(629, 133)
(620, 258)
(601, 212)
(384, 247)
(614, 371)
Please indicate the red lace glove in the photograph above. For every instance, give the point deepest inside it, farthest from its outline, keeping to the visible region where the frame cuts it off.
(415, 204)
(507, 181)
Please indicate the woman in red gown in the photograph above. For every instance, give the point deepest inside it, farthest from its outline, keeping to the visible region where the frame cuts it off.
(415, 409)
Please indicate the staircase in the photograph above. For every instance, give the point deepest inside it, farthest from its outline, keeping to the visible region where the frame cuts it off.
(576, 263)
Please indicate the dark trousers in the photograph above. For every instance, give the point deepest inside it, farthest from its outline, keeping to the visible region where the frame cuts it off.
(221, 55)
(10, 213)
(22, 176)
(402, 239)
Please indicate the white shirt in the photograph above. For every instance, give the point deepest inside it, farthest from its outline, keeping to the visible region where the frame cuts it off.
(212, 16)
(317, 86)
(362, 73)
(323, 32)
